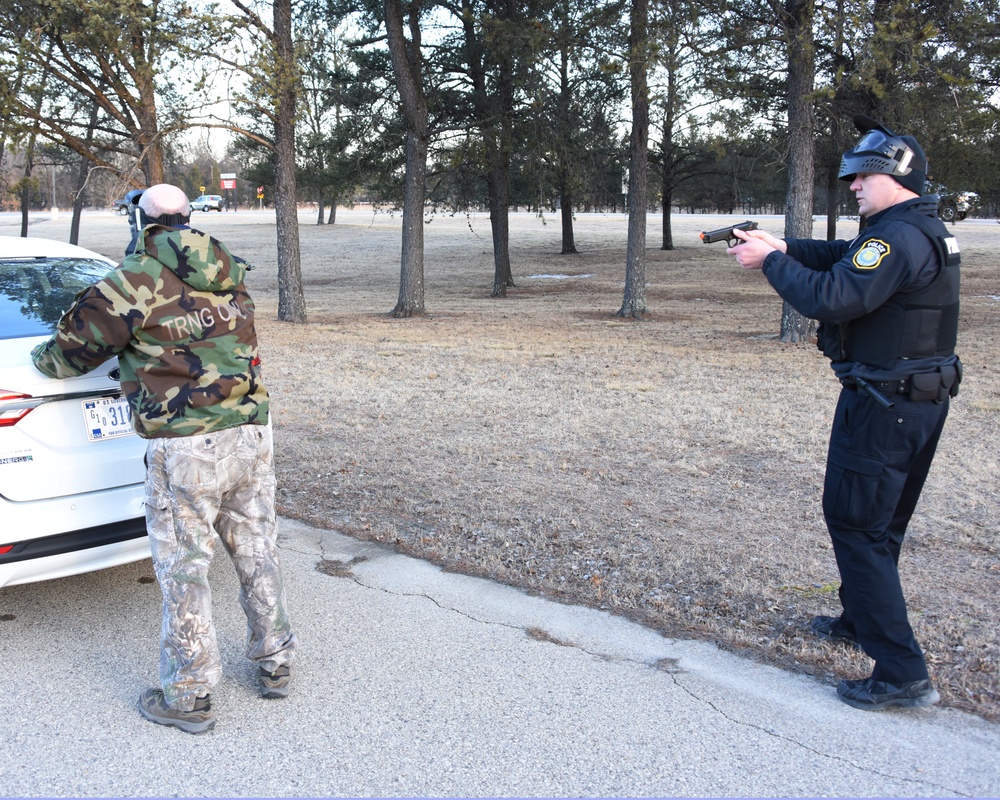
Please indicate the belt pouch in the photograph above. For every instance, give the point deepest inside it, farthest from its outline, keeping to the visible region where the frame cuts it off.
(928, 386)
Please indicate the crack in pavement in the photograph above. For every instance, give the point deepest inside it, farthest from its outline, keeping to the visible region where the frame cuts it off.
(813, 750)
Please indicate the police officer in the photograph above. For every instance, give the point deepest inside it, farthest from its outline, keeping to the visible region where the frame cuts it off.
(888, 307)
(177, 315)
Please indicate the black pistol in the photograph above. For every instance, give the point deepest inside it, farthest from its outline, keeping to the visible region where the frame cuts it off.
(726, 234)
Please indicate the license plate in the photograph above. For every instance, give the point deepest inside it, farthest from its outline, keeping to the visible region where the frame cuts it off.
(107, 418)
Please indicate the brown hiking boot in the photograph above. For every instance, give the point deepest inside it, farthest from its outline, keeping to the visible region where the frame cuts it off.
(154, 707)
(274, 684)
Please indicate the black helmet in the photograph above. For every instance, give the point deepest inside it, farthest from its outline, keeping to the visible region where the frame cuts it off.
(882, 151)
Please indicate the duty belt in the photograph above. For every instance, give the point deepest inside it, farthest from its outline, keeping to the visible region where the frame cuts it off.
(901, 386)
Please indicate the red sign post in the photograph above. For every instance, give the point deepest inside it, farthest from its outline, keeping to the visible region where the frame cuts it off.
(227, 182)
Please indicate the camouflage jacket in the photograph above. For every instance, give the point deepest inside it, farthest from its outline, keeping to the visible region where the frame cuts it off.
(177, 315)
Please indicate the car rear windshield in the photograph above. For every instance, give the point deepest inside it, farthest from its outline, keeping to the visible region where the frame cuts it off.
(34, 292)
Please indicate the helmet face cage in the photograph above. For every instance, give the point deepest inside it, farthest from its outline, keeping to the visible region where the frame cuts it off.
(876, 142)
(877, 152)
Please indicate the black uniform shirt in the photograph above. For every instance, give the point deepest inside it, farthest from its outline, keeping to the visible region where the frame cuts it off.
(839, 281)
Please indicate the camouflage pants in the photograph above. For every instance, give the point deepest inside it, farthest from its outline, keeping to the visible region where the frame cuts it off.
(196, 487)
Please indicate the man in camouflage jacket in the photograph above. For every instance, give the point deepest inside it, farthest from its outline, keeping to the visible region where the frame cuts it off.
(177, 315)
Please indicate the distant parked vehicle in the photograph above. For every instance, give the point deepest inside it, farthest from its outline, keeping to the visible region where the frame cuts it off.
(955, 206)
(207, 202)
(120, 207)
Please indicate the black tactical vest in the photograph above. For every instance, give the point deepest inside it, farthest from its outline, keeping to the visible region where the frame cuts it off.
(918, 324)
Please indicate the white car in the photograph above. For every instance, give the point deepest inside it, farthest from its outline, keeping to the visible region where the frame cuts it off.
(207, 202)
(71, 466)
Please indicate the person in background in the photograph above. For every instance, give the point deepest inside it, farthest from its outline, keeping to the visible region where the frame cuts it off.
(178, 317)
(888, 304)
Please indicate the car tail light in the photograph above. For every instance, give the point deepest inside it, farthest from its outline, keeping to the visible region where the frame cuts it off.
(14, 407)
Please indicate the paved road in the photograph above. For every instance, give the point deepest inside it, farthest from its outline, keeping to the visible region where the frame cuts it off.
(416, 682)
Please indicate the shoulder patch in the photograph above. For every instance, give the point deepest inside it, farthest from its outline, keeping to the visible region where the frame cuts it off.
(871, 254)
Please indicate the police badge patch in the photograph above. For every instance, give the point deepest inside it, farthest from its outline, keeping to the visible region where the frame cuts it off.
(871, 254)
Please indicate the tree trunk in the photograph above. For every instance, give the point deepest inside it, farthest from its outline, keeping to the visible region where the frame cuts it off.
(667, 147)
(291, 300)
(411, 279)
(634, 299)
(566, 213)
(832, 204)
(5, 120)
(563, 105)
(801, 126)
(493, 108)
(26, 184)
(499, 177)
(498, 187)
(29, 151)
(81, 179)
(78, 198)
(149, 138)
(665, 227)
(407, 65)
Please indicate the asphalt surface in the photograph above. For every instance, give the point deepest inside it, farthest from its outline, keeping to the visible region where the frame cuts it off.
(416, 682)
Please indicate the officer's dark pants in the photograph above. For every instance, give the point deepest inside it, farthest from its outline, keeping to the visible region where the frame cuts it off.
(877, 464)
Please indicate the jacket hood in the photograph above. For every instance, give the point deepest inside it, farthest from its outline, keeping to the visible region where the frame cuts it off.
(199, 260)
(925, 205)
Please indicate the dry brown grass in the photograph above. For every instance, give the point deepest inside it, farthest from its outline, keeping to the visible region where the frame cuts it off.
(668, 470)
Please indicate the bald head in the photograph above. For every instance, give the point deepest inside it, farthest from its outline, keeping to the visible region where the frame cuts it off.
(165, 204)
